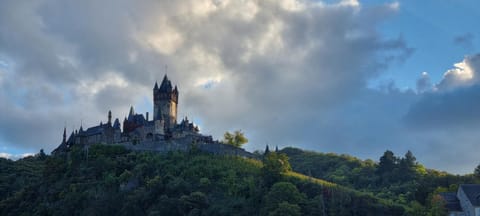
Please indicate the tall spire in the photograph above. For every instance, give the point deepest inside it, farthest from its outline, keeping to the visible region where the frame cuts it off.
(64, 135)
(109, 117)
(132, 112)
(156, 86)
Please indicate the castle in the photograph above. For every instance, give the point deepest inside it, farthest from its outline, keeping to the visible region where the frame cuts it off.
(162, 133)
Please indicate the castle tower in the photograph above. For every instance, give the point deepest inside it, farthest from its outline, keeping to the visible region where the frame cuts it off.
(165, 101)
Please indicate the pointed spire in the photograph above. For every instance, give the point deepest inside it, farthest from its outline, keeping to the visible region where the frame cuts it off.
(267, 150)
(156, 86)
(166, 85)
(109, 117)
(116, 124)
(131, 113)
(64, 135)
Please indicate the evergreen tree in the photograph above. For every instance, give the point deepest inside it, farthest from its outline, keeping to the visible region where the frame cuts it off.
(407, 166)
(476, 172)
(388, 162)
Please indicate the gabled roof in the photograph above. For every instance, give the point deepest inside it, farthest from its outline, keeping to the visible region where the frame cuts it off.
(473, 193)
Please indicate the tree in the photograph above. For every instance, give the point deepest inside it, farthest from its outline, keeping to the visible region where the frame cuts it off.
(286, 209)
(237, 138)
(476, 172)
(274, 165)
(387, 163)
(388, 168)
(407, 166)
(281, 195)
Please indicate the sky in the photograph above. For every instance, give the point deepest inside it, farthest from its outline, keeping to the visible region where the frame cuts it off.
(343, 76)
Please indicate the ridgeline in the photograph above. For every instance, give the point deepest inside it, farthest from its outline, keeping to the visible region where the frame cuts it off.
(112, 180)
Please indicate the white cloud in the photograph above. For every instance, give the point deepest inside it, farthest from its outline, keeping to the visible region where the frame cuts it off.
(15, 157)
(463, 74)
(353, 3)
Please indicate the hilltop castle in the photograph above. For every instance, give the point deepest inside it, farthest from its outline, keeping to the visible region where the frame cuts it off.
(162, 133)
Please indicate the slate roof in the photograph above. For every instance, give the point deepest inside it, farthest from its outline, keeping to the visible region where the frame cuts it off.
(95, 130)
(473, 193)
(166, 85)
(116, 124)
(137, 118)
(451, 201)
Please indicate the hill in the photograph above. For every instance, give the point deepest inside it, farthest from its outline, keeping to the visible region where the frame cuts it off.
(111, 180)
(399, 179)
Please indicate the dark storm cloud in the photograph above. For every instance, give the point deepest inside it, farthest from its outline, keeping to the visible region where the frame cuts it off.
(459, 108)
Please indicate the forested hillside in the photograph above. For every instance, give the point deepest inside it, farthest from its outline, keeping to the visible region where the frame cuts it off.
(110, 180)
(400, 179)
(114, 181)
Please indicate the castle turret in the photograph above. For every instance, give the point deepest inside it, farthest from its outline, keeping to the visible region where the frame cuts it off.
(165, 101)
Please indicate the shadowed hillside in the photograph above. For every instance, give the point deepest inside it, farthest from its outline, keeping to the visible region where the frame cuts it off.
(110, 180)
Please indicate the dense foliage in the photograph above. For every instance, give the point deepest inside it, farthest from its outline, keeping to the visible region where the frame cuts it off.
(237, 138)
(109, 180)
(402, 180)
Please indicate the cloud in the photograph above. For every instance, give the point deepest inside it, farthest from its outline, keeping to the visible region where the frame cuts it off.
(424, 83)
(464, 40)
(286, 72)
(463, 74)
(14, 157)
(453, 102)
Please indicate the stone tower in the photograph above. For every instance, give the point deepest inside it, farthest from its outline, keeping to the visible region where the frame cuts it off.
(165, 100)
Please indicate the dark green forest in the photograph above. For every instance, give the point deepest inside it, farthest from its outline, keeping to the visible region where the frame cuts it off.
(110, 180)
